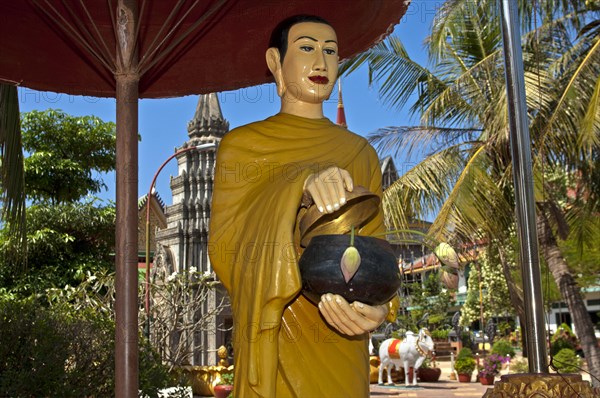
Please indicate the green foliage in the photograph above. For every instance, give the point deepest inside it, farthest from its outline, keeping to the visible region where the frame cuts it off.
(563, 338)
(495, 296)
(470, 312)
(174, 297)
(504, 348)
(58, 351)
(585, 258)
(505, 328)
(65, 155)
(64, 242)
(226, 379)
(465, 352)
(428, 363)
(432, 299)
(566, 361)
(560, 344)
(465, 365)
(440, 334)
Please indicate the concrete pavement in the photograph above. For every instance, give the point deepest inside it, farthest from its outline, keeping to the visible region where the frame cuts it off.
(445, 387)
(440, 389)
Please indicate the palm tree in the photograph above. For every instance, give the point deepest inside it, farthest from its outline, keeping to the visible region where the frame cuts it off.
(462, 106)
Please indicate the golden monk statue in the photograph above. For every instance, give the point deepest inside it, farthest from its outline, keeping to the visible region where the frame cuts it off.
(285, 346)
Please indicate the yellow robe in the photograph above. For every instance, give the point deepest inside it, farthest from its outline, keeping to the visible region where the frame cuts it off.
(282, 346)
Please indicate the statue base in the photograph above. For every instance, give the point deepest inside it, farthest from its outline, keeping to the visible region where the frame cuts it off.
(530, 385)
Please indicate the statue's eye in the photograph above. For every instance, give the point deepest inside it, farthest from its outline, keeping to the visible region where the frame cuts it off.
(330, 51)
(306, 48)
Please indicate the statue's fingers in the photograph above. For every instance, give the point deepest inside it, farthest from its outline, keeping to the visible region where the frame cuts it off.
(348, 182)
(349, 317)
(322, 191)
(330, 313)
(329, 307)
(334, 186)
(375, 314)
(316, 197)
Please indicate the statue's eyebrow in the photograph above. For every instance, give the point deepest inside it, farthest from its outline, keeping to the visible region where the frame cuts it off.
(313, 39)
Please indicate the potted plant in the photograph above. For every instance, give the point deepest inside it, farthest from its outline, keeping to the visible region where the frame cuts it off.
(465, 365)
(490, 368)
(429, 372)
(224, 387)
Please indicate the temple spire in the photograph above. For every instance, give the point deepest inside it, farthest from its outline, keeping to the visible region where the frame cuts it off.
(341, 114)
(208, 119)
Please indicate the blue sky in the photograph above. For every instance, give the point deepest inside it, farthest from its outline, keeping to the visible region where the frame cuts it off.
(163, 122)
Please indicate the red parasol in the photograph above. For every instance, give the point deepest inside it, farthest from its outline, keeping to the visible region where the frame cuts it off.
(157, 48)
(184, 47)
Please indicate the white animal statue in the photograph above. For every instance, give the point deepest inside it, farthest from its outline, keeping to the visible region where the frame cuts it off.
(411, 351)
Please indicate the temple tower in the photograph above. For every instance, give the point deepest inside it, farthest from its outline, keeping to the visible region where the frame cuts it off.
(184, 243)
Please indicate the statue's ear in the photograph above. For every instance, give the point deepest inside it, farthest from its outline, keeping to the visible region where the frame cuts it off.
(274, 65)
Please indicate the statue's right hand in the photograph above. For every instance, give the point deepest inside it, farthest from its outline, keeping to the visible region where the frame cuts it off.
(328, 188)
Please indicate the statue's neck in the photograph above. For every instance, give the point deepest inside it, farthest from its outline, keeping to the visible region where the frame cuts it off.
(302, 109)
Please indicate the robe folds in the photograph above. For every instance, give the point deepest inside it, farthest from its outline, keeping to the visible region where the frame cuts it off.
(282, 346)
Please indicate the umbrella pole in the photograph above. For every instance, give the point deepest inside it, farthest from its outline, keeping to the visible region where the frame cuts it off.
(126, 316)
(126, 280)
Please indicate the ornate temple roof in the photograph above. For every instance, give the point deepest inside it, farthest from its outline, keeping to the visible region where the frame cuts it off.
(208, 119)
(155, 196)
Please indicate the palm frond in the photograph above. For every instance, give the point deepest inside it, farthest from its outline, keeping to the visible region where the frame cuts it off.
(391, 68)
(465, 214)
(456, 103)
(589, 133)
(407, 140)
(584, 225)
(570, 88)
(11, 166)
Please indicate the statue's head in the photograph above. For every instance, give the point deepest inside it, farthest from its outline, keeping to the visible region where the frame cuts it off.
(303, 58)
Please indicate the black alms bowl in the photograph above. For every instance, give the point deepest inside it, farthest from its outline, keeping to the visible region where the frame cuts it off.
(376, 281)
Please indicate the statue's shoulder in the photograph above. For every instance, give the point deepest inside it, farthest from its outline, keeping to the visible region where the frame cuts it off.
(241, 135)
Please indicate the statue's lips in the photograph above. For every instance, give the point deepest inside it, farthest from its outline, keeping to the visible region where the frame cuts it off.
(319, 79)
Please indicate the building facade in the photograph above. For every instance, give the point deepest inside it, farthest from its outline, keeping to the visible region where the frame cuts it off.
(183, 244)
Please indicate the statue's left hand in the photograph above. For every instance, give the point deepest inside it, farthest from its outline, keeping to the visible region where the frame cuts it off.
(351, 319)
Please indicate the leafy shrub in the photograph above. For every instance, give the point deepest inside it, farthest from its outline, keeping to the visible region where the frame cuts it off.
(566, 361)
(428, 363)
(60, 352)
(503, 348)
(465, 352)
(561, 339)
(559, 345)
(465, 365)
(226, 379)
(505, 328)
(440, 334)
(465, 361)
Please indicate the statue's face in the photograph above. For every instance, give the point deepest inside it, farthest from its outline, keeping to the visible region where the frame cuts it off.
(310, 65)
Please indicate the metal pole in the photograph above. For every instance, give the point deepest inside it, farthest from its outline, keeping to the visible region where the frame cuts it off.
(147, 293)
(126, 280)
(523, 180)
